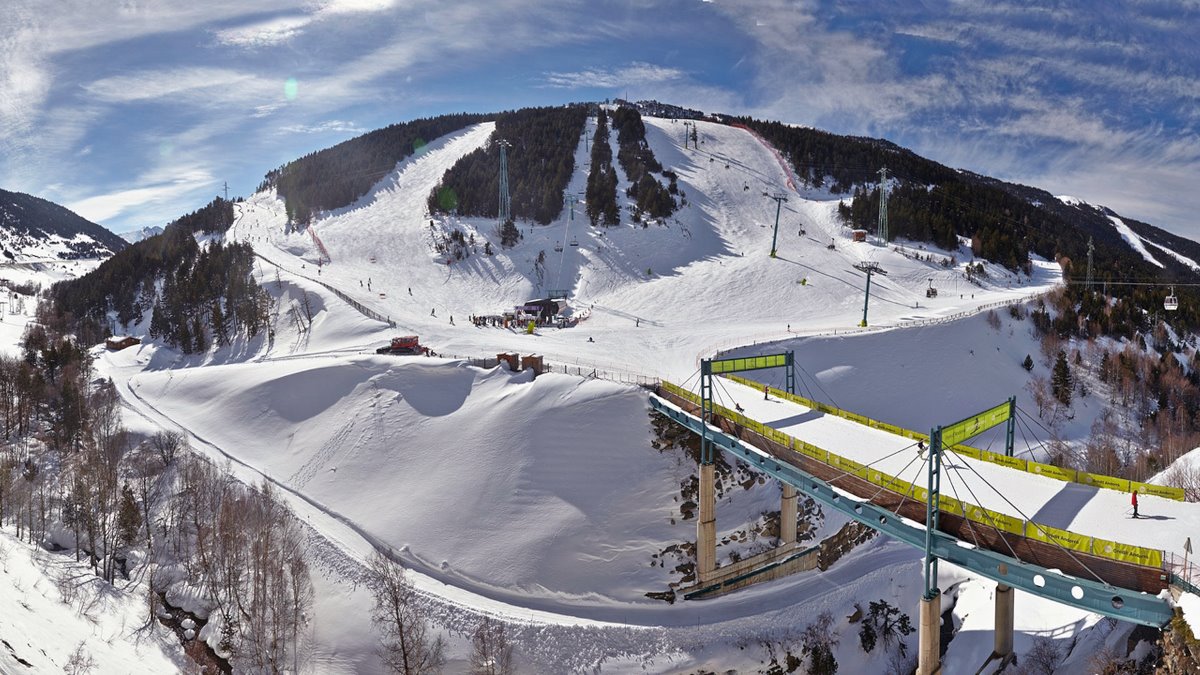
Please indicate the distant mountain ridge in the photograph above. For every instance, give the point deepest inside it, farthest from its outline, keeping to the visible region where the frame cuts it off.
(32, 228)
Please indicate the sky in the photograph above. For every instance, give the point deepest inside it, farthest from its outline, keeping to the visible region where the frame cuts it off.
(135, 112)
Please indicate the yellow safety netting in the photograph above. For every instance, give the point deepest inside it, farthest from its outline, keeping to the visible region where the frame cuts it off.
(1074, 541)
(1029, 466)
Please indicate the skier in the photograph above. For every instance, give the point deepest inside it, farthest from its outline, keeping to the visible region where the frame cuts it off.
(766, 389)
(921, 448)
(590, 339)
(451, 319)
(1133, 499)
(433, 312)
(738, 407)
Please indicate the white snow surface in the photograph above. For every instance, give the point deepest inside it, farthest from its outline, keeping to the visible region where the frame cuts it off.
(1134, 241)
(539, 501)
(40, 628)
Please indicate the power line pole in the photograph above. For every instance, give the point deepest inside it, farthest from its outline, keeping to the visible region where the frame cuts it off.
(226, 190)
(882, 231)
(779, 198)
(870, 267)
(505, 206)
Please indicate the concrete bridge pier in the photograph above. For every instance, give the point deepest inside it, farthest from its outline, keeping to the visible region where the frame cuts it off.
(787, 515)
(706, 528)
(1004, 621)
(929, 636)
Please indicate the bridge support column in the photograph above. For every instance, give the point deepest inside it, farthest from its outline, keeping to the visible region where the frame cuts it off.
(787, 515)
(706, 528)
(929, 634)
(1004, 620)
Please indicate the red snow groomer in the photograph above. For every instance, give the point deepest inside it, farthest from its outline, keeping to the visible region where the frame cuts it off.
(407, 344)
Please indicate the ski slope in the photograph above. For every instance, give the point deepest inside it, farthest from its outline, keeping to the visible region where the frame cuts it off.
(539, 501)
(711, 285)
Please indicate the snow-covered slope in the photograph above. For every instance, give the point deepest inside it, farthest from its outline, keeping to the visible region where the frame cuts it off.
(53, 607)
(541, 501)
(655, 296)
(33, 229)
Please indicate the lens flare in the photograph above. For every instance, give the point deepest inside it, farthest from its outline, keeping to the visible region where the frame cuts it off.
(291, 88)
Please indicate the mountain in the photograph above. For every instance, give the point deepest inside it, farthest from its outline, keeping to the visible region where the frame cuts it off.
(551, 504)
(134, 236)
(32, 228)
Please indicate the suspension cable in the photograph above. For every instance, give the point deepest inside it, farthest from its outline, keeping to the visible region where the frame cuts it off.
(1029, 520)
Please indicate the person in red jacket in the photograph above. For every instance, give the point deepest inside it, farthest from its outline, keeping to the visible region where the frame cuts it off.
(1134, 500)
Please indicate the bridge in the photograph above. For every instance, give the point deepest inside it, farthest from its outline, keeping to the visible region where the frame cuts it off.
(935, 493)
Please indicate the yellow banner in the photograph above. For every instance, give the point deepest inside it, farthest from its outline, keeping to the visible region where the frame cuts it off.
(950, 505)
(996, 519)
(1147, 557)
(1051, 471)
(960, 431)
(1100, 480)
(1158, 490)
(1064, 538)
(1004, 460)
(748, 363)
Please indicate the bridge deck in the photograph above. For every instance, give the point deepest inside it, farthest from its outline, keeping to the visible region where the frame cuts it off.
(1096, 512)
(866, 445)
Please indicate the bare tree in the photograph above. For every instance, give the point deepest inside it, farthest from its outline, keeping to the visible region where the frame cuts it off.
(404, 645)
(1185, 476)
(168, 444)
(491, 654)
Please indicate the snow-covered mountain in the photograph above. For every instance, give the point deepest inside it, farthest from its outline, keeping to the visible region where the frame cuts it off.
(541, 501)
(134, 236)
(33, 229)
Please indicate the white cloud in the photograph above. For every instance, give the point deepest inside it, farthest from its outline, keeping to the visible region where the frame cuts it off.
(354, 6)
(153, 191)
(330, 126)
(636, 73)
(209, 85)
(264, 33)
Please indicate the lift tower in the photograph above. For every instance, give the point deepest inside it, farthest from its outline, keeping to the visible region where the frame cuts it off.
(882, 231)
(870, 267)
(779, 198)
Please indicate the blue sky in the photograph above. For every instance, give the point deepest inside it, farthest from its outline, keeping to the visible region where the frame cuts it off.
(135, 112)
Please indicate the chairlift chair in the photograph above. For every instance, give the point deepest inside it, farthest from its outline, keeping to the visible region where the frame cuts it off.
(574, 241)
(1172, 302)
(558, 247)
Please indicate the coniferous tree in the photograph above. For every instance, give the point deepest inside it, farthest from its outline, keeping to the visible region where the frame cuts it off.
(1060, 379)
